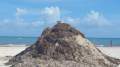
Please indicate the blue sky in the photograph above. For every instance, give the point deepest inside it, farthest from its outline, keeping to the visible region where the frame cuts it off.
(95, 18)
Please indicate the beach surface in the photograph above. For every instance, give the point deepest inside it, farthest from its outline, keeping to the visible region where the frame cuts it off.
(6, 52)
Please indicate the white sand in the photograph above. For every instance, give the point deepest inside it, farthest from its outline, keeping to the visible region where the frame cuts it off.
(13, 50)
(111, 51)
(9, 51)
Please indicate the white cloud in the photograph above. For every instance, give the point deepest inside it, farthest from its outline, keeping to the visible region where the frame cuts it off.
(47, 17)
(51, 14)
(96, 19)
(20, 11)
(47, 14)
(71, 20)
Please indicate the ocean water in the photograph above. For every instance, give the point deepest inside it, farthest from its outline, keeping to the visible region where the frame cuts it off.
(15, 40)
(105, 41)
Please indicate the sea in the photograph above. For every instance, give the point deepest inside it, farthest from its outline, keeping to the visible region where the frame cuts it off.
(20, 40)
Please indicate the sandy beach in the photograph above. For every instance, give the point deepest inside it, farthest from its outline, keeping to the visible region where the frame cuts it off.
(7, 51)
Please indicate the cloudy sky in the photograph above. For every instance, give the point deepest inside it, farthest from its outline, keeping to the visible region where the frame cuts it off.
(95, 18)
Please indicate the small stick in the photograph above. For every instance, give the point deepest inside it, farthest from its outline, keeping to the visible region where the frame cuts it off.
(111, 43)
